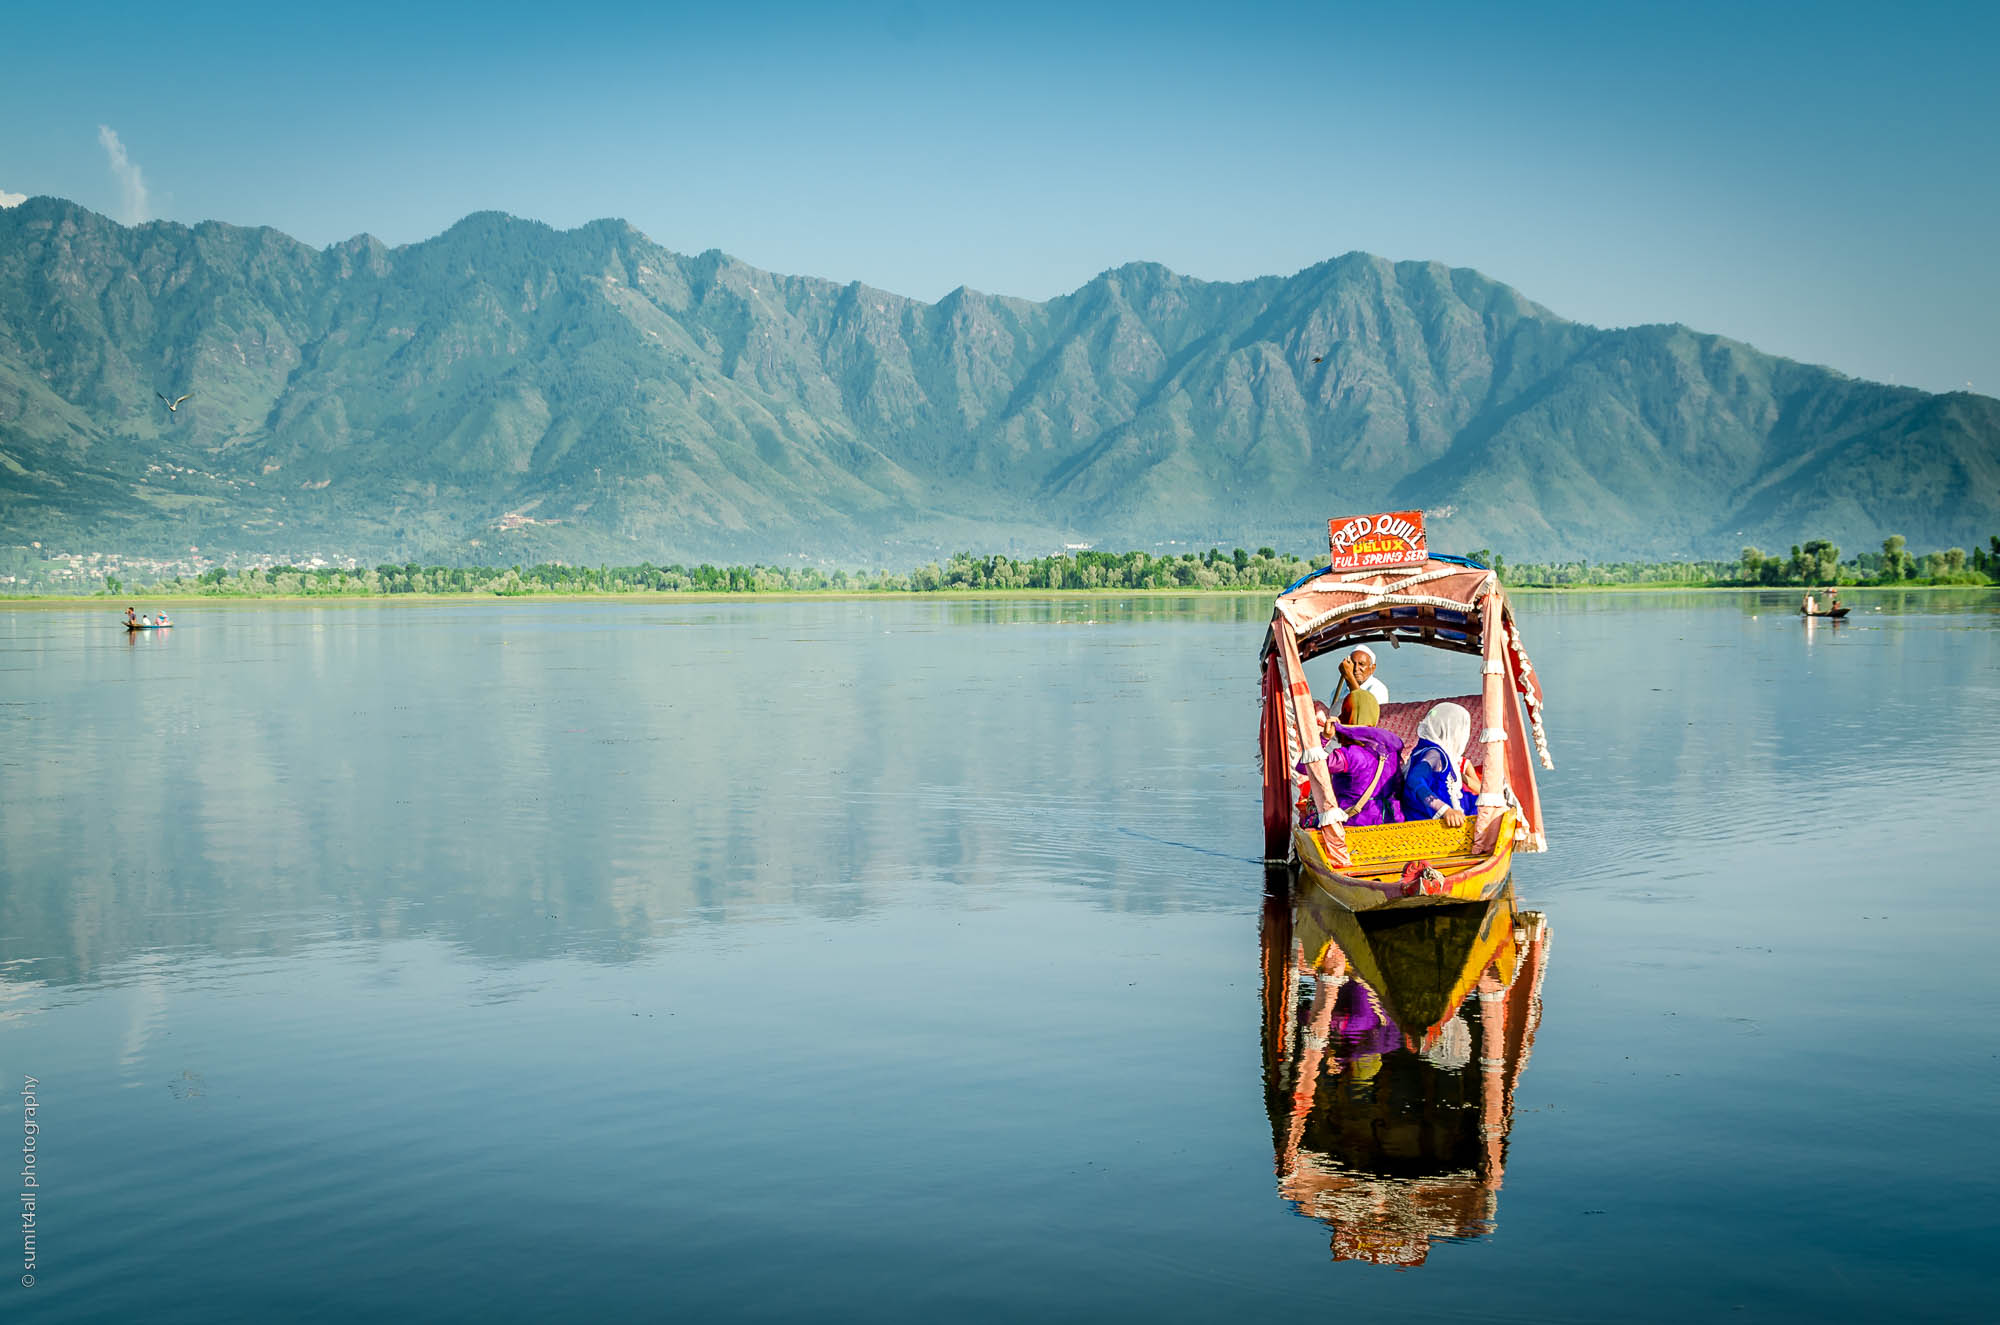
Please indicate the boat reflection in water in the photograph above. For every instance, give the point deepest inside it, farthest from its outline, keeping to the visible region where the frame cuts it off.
(1392, 1044)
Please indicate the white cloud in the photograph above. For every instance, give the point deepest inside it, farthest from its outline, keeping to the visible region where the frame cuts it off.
(131, 184)
(12, 199)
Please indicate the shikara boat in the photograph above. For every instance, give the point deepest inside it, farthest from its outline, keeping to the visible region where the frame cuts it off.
(1836, 613)
(1439, 602)
(1393, 1042)
(149, 625)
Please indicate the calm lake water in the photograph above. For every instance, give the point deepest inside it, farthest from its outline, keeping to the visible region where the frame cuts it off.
(905, 960)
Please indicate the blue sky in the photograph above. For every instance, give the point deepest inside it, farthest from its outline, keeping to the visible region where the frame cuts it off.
(1821, 180)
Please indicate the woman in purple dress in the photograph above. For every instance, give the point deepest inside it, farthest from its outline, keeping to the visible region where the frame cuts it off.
(1362, 766)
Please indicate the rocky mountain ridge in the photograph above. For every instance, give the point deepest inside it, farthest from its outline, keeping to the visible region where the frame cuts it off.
(507, 391)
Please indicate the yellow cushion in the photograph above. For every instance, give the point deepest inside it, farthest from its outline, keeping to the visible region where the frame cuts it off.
(1425, 839)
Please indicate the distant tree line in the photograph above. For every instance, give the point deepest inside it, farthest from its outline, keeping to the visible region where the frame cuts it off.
(1814, 563)
(1265, 568)
(1817, 562)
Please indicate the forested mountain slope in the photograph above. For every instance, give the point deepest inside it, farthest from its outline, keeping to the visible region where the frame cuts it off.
(589, 394)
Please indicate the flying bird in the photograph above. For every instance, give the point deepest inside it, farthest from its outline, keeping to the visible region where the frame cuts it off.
(1318, 357)
(173, 406)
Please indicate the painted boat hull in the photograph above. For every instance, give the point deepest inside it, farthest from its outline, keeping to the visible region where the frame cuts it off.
(130, 626)
(1479, 881)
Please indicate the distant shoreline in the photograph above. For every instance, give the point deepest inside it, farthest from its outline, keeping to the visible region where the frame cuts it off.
(1811, 566)
(115, 604)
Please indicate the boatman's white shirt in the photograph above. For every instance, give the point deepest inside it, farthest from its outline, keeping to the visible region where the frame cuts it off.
(1373, 685)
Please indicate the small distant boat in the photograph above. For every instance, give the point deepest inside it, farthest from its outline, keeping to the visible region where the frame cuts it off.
(149, 625)
(1836, 613)
(1404, 595)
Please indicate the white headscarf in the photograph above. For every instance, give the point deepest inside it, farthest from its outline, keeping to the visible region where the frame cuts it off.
(1449, 727)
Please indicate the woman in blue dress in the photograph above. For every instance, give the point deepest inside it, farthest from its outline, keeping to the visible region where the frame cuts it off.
(1432, 787)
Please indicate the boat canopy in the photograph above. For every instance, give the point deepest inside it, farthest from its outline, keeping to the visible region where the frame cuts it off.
(1444, 603)
(1441, 604)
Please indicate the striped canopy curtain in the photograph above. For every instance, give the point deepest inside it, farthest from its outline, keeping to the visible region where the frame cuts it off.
(1282, 736)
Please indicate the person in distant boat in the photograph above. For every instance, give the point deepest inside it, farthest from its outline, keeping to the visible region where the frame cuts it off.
(1361, 775)
(1433, 785)
(1812, 605)
(1358, 669)
(1832, 600)
(162, 620)
(131, 616)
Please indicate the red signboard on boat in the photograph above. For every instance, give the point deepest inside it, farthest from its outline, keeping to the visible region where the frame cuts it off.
(1376, 542)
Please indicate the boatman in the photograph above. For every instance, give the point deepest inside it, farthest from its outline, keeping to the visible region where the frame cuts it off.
(1358, 668)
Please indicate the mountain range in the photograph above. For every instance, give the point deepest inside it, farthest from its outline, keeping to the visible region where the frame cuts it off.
(506, 391)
